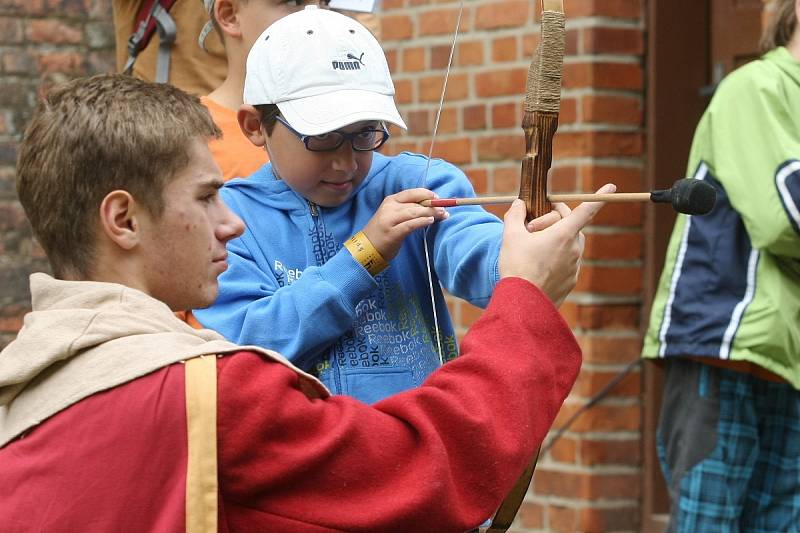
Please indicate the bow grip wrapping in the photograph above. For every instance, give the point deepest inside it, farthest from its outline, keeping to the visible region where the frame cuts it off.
(542, 104)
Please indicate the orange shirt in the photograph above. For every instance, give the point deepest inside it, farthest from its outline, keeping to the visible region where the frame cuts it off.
(234, 153)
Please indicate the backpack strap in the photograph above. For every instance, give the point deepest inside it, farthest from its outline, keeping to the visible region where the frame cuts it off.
(202, 488)
(152, 16)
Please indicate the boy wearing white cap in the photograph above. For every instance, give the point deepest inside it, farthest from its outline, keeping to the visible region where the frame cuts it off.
(330, 271)
(239, 23)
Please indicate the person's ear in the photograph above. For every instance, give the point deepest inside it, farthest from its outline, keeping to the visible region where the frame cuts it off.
(226, 15)
(119, 219)
(250, 123)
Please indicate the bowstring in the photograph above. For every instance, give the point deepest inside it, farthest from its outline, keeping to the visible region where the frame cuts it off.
(425, 180)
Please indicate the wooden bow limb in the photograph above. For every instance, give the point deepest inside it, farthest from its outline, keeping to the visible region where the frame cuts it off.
(542, 104)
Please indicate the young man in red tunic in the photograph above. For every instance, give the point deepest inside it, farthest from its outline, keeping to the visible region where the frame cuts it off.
(122, 192)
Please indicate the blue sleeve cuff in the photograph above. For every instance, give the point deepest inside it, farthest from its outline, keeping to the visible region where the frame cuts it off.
(343, 271)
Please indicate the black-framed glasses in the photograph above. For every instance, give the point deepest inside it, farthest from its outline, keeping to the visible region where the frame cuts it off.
(365, 140)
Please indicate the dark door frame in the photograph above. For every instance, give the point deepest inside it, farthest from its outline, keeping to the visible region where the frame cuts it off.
(678, 52)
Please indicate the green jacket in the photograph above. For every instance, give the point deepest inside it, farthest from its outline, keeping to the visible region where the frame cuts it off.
(730, 288)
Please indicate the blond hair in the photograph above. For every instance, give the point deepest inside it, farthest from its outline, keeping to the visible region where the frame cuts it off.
(91, 136)
(781, 25)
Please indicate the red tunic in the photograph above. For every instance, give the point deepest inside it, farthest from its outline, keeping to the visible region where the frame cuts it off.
(437, 458)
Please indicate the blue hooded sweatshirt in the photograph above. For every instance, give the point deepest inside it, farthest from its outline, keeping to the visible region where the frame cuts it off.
(291, 286)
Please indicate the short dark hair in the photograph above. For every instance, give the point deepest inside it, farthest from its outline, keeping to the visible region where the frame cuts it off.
(91, 136)
(269, 114)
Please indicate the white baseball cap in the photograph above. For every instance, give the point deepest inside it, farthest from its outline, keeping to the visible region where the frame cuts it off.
(324, 71)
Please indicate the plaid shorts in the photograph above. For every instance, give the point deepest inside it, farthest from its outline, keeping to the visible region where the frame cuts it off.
(729, 445)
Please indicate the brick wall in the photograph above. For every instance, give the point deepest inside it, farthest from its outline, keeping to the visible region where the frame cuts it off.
(591, 479)
(41, 42)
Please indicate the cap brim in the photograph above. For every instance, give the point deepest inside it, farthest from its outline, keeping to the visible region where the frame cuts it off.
(322, 113)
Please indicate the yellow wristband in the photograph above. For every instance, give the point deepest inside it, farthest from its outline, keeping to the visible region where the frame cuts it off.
(366, 254)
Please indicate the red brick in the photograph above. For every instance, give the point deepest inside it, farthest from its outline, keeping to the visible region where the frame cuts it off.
(52, 31)
(441, 21)
(599, 40)
(571, 40)
(629, 9)
(395, 147)
(562, 178)
(501, 147)
(501, 82)
(448, 122)
(456, 151)
(613, 246)
(504, 14)
(531, 515)
(594, 520)
(413, 59)
(613, 486)
(396, 27)
(612, 109)
(479, 177)
(470, 53)
(440, 56)
(387, 5)
(391, 60)
(27, 7)
(419, 122)
(620, 214)
(430, 88)
(564, 450)
(609, 280)
(591, 382)
(61, 62)
(18, 61)
(627, 179)
(569, 111)
(506, 115)
(505, 180)
(404, 91)
(10, 324)
(12, 216)
(569, 311)
(504, 49)
(603, 349)
(584, 486)
(603, 76)
(610, 452)
(474, 117)
(10, 30)
(596, 144)
(608, 316)
(600, 417)
(562, 519)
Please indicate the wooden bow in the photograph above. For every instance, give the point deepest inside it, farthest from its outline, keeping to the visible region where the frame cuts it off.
(542, 103)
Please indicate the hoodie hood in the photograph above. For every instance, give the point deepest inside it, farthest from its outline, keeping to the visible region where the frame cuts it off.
(785, 61)
(83, 337)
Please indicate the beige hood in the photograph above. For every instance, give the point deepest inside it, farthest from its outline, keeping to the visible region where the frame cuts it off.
(83, 337)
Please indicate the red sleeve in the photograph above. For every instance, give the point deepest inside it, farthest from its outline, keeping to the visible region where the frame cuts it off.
(437, 458)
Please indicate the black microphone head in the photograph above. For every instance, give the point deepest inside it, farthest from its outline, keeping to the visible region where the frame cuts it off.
(693, 197)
